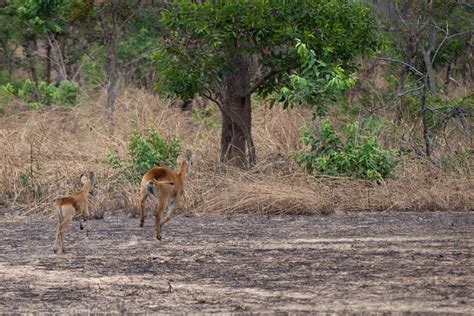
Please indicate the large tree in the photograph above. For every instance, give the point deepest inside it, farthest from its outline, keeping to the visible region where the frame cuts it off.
(228, 50)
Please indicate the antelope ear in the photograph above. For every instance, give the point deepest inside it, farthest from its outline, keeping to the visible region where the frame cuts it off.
(82, 178)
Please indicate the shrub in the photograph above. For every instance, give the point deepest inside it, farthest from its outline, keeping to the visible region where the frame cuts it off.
(145, 152)
(45, 94)
(113, 160)
(152, 150)
(360, 156)
(68, 92)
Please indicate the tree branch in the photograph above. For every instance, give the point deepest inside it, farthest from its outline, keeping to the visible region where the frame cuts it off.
(209, 96)
(410, 91)
(402, 62)
(261, 81)
(444, 40)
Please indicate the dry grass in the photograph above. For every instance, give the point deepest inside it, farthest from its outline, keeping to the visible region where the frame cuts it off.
(43, 153)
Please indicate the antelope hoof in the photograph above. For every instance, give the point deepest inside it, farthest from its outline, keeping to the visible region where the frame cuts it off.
(55, 250)
(158, 237)
(141, 224)
(81, 227)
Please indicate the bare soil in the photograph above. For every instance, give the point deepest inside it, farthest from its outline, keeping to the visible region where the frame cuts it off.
(355, 262)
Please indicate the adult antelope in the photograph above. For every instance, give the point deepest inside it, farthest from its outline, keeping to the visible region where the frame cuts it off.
(167, 186)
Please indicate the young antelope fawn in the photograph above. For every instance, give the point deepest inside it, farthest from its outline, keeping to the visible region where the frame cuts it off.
(67, 207)
(167, 186)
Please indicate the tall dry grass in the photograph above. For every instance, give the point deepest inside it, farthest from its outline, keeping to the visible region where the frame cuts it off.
(43, 153)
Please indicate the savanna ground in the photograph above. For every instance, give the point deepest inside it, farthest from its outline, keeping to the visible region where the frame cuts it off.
(359, 262)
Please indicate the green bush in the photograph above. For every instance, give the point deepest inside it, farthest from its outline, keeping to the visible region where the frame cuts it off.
(152, 150)
(360, 156)
(68, 92)
(145, 152)
(113, 160)
(46, 94)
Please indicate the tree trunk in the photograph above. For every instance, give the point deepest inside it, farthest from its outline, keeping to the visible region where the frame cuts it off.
(429, 71)
(112, 37)
(400, 101)
(113, 87)
(8, 54)
(149, 79)
(448, 74)
(57, 58)
(30, 52)
(48, 63)
(425, 121)
(237, 144)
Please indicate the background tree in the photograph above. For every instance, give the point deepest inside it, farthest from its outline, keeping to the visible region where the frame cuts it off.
(110, 20)
(10, 38)
(110, 36)
(428, 37)
(228, 50)
(129, 34)
(52, 24)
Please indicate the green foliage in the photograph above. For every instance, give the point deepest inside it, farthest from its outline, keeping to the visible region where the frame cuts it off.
(203, 39)
(37, 23)
(113, 160)
(93, 71)
(152, 150)
(4, 77)
(6, 95)
(68, 92)
(43, 15)
(45, 94)
(135, 50)
(185, 82)
(145, 152)
(313, 81)
(360, 156)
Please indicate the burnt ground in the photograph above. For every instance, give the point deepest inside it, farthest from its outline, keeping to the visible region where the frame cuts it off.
(358, 262)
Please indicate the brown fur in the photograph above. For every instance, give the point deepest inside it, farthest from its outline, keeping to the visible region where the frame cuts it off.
(167, 186)
(67, 207)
